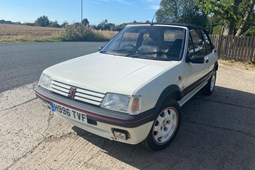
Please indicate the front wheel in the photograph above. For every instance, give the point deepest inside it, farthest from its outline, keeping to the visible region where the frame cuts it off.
(164, 127)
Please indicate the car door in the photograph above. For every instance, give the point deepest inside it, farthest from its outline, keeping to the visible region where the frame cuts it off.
(196, 48)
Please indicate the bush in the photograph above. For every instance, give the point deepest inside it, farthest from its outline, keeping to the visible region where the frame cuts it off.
(54, 24)
(217, 30)
(42, 21)
(250, 32)
(78, 32)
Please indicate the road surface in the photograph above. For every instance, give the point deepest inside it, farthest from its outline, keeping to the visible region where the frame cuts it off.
(217, 132)
(22, 63)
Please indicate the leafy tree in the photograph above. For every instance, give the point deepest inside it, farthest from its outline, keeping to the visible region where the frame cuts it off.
(9, 22)
(101, 25)
(226, 9)
(250, 32)
(105, 26)
(54, 24)
(65, 24)
(85, 22)
(247, 17)
(119, 27)
(180, 11)
(29, 24)
(42, 21)
(235, 14)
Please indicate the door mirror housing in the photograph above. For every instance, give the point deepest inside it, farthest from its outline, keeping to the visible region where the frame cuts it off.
(100, 48)
(192, 58)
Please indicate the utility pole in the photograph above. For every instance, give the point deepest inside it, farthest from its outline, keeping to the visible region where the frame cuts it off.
(81, 11)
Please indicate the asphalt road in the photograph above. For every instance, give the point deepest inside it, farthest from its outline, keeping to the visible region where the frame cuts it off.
(217, 132)
(22, 63)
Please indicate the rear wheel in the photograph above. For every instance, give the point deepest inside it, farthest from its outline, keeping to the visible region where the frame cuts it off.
(210, 86)
(164, 127)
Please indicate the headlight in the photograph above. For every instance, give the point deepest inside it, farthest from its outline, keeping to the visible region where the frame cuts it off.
(122, 103)
(45, 81)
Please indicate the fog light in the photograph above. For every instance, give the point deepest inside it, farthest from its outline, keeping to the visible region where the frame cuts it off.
(120, 134)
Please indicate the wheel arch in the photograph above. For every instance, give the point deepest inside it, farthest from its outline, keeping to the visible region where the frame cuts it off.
(171, 92)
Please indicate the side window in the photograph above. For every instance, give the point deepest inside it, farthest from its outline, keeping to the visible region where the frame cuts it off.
(201, 43)
(190, 45)
(198, 42)
(208, 45)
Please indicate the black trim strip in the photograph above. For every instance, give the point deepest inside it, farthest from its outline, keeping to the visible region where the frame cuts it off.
(195, 84)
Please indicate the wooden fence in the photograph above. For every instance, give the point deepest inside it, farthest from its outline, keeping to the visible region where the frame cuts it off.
(235, 48)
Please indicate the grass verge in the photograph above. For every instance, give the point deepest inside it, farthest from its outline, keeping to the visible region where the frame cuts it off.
(78, 32)
(20, 33)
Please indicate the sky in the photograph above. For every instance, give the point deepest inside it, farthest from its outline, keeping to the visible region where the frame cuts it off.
(115, 11)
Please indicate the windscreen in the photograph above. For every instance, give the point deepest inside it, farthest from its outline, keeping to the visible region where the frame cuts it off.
(148, 42)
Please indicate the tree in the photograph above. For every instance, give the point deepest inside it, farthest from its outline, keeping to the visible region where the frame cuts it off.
(245, 19)
(235, 14)
(119, 27)
(225, 9)
(65, 24)
(85, 22)
(42, 21)
(106, 26)
(54, 24)
(101, 25)
(180, 11)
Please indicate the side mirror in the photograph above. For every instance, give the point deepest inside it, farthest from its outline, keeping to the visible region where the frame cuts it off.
(100, 48)
(192, 58)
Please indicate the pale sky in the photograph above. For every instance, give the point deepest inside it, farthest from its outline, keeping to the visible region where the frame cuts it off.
(116, 11)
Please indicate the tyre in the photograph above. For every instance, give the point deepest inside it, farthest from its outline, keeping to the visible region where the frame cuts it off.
(210, 86)
(165, 127)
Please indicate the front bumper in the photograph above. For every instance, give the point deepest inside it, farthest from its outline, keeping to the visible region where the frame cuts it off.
(102, 121)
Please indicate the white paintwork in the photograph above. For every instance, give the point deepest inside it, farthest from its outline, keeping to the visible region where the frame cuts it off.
(137, 134)
(191, 94)
(107, 73)
(130, 76)
(103, 73)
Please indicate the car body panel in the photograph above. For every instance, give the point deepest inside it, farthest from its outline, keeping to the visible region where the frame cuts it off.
(107, 73)
(147, 78)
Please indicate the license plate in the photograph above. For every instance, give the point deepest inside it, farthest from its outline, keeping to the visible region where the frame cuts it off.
(68, 113)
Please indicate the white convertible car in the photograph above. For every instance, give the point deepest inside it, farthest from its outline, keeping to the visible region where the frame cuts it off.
(132, 89)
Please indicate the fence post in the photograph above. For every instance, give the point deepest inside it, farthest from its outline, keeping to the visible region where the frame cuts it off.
(220, 45)
(252, 58)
